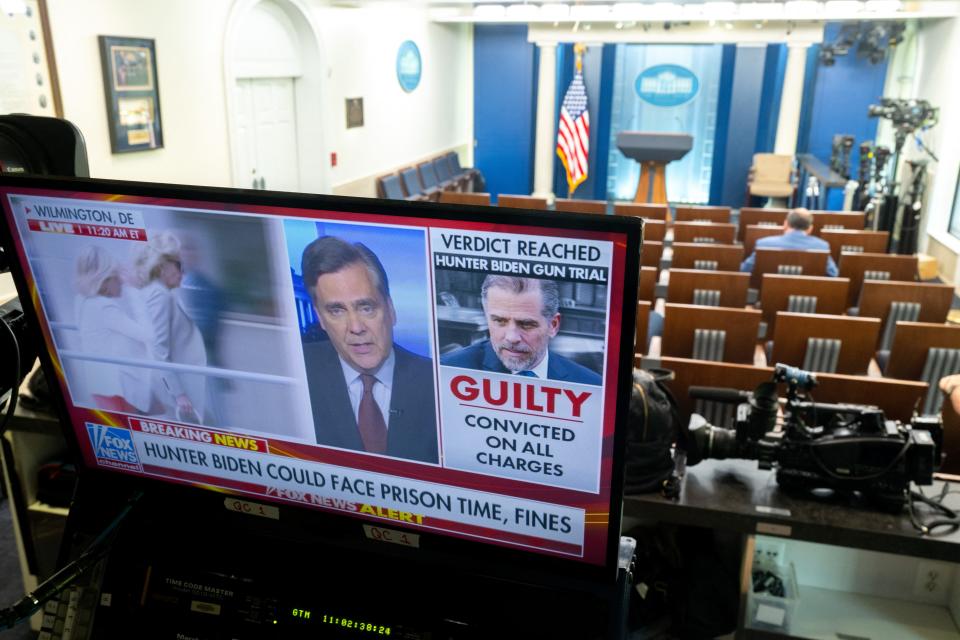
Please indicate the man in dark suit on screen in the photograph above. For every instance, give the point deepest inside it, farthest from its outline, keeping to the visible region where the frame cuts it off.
(523, 315)
(368, 393)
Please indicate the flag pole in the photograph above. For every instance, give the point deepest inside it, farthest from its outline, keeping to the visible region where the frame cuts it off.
(578, 50)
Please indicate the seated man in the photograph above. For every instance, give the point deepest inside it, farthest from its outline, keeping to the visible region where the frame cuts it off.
(796, 235)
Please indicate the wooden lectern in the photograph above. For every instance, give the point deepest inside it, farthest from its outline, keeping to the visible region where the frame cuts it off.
(653, 151)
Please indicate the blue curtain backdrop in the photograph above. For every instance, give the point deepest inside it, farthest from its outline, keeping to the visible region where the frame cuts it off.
(688, 180)
(504, 107)
(836, 99)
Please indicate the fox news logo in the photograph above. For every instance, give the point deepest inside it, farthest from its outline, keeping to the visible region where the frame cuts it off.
(113, 447)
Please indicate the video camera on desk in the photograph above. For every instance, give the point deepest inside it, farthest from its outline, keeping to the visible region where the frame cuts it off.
(843, 447)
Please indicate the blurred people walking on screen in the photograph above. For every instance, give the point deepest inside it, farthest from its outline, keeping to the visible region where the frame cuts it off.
(205, 302)
(110, 327)
(796, 235)
(367, 392)
(523, 316)
(176, 338)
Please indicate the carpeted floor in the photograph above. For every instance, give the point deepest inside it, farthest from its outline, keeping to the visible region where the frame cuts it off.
(11, 584)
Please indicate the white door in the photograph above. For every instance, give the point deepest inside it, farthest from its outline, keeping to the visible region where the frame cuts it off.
(267, 134)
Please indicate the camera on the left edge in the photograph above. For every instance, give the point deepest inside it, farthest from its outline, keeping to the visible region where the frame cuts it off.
(35, 145)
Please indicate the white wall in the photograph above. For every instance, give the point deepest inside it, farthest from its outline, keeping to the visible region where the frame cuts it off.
(399, 127)
(938, 53)
(189, 41)
(359, 47)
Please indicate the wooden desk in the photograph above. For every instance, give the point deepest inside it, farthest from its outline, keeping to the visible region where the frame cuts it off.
(737, 496)
(719, 233)
(727, 256)
(732, 286)
(726, 493)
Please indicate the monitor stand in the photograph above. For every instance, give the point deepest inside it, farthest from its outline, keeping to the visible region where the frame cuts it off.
(179, 567)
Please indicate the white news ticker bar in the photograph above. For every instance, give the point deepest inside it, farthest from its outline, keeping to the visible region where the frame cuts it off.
(214, 372)
(508, 504)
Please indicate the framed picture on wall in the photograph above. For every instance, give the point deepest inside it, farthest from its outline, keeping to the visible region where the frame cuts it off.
(130, 87)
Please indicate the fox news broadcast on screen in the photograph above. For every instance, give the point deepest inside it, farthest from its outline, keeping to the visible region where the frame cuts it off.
(439, 372)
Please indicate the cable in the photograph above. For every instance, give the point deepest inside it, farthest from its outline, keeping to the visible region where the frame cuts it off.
(52, 586)
(923, 146)
(952, 520)
(15, 389)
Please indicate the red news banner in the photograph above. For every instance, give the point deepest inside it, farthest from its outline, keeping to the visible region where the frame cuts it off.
(86, 219)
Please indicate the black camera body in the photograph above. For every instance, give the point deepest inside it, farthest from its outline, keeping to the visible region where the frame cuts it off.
(906, 116)
(842, 447)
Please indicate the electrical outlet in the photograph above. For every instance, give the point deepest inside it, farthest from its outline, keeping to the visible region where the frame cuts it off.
(769, 552)
(932, 579)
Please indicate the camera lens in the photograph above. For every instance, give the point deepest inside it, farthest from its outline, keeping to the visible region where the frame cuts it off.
(714, 442)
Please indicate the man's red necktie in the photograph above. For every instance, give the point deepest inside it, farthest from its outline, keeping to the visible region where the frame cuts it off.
(373, 430)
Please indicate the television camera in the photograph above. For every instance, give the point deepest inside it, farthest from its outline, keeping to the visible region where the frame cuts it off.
(906, 116)
(887, 208)
(840, 154)
(814, 445)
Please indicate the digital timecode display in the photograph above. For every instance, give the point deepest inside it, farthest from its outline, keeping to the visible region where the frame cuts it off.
(356, 625)
(343, 622)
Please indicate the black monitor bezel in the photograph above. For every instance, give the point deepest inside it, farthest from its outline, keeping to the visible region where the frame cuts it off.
(482, 555)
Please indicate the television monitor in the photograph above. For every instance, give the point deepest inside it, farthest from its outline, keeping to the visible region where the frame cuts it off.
(436, 370)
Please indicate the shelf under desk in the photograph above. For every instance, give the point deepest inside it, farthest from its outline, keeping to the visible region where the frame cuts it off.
(735, 495)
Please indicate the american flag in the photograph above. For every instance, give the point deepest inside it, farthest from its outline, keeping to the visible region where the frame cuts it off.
(573, 137)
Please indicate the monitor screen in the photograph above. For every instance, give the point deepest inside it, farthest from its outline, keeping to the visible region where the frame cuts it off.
(448, 370)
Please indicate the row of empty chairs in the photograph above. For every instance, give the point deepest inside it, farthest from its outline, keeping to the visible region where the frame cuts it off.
(872, 320)
(428, 180)
(884, 304)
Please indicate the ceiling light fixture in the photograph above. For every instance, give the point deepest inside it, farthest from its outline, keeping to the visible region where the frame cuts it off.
(803, 9)
(843, 7)
(554, 11)
(883, 6)
(489, 11)
(523, 12)
(719, 10)
(761, 10)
